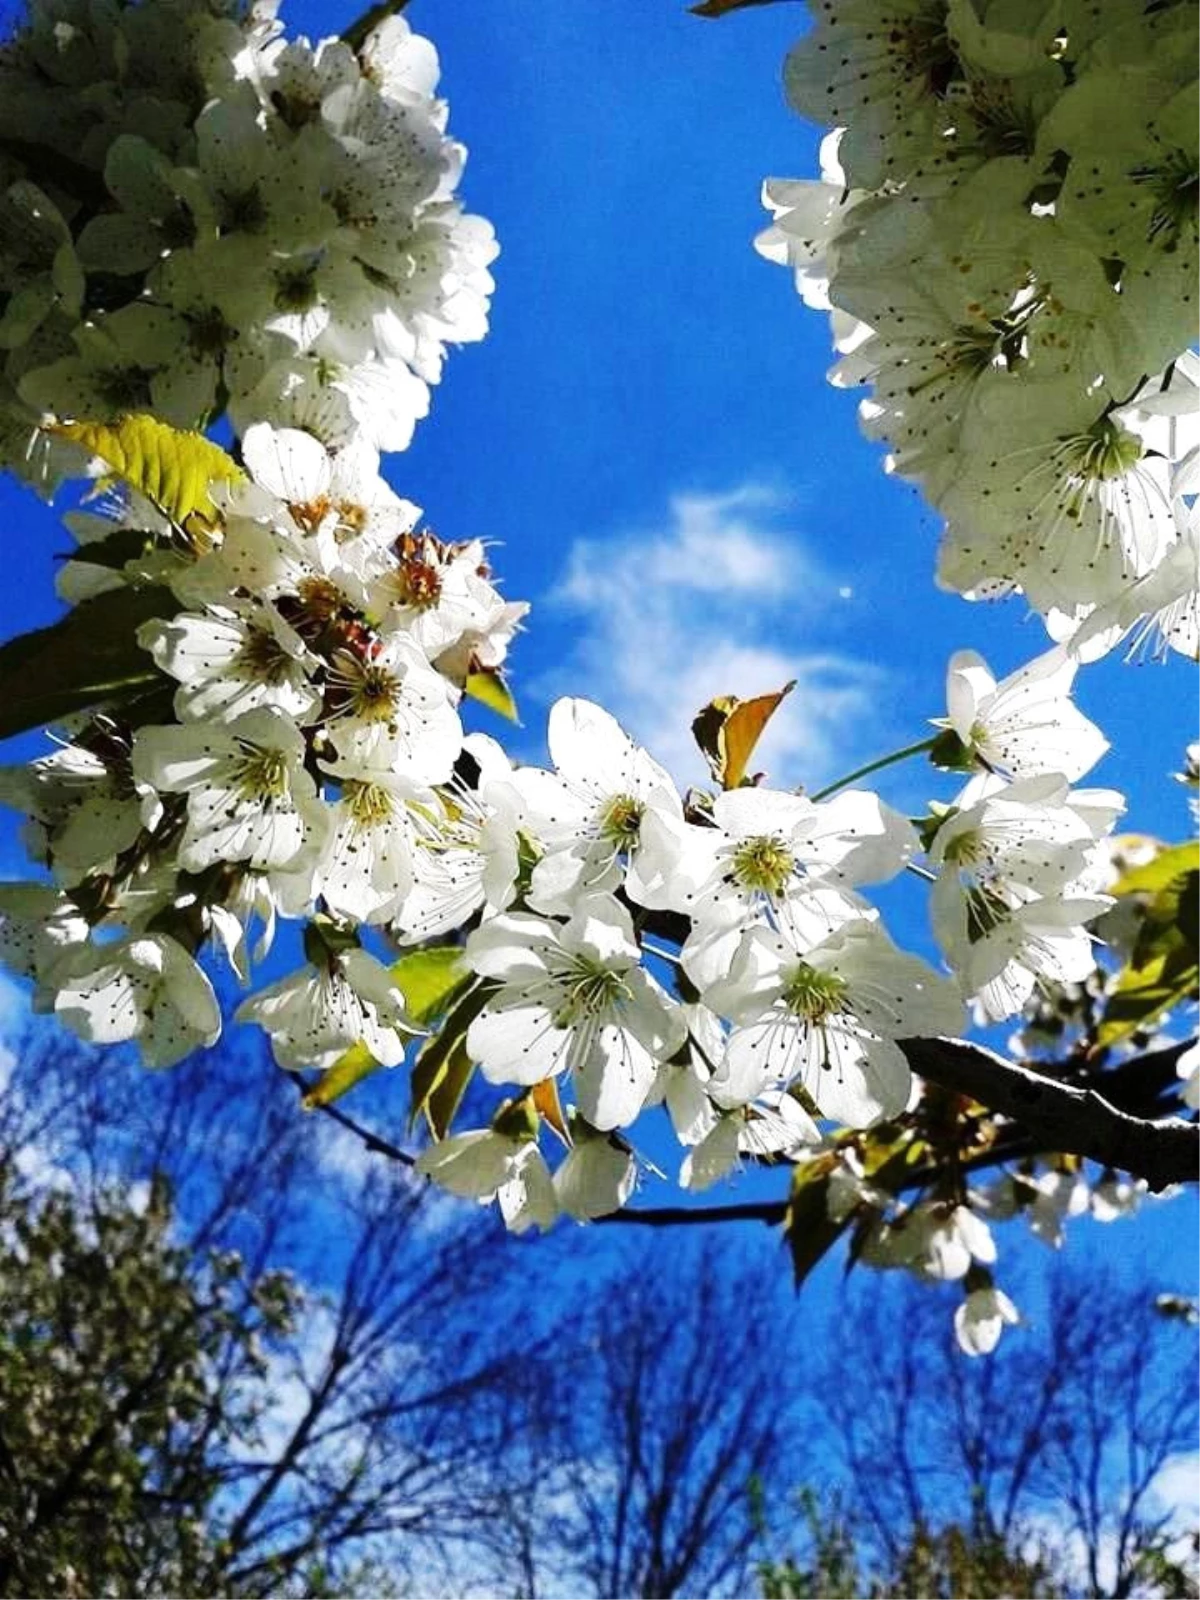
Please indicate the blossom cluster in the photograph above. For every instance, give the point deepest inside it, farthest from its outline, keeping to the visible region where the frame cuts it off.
(949, 1238)
(203, 216)
(1005, 236)
(297, 752)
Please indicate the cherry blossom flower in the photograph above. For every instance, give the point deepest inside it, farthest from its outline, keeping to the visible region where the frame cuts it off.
(572, 997)
(313, 1016)
(249, 796)
(981, 1319)
(147, 989)
(1025, 724)
(826, 1017)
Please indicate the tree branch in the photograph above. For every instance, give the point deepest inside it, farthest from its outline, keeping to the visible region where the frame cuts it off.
(1072, 1117)
(374, 1142)
(1053, 1113)
(768, 1211)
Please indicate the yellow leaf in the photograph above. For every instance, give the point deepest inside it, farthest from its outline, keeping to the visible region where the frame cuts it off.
(549, 1108)
(1157, 874)
(487, 685)
(172, 467)
(728, 729)
(357, 1063)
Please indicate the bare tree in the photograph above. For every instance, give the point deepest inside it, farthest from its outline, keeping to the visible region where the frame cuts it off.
(1066, 1428)
(678, 1399)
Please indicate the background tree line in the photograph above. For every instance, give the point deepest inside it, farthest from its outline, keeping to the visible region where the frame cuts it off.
(241, 1355)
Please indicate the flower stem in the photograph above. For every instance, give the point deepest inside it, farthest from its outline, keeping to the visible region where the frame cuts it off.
(356, 34)
(875, 766)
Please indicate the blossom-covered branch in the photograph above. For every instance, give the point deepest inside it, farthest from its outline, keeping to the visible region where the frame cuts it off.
(260, 686)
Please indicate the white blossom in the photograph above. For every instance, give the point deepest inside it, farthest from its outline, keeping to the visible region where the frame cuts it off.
(314, 1015)
(1025, 724)
(827, 1018)
(249, 797)
(572, 997)
(981, 1319)
(147, 989)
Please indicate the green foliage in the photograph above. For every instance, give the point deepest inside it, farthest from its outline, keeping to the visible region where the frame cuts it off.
(91, 657)
(118, 1352)
(926, 1565)
(1163, 970)
(443, 1069)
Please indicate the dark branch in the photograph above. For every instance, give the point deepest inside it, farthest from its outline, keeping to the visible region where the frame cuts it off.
(1050, 1113)
(360, 30)
(1072, 1117)
(768, 1211)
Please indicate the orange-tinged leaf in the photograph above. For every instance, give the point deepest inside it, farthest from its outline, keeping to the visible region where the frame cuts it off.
(728, 729)
(549, 1108)
(744, 728)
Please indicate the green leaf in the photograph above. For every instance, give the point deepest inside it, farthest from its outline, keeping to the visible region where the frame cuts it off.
(1185, 893)
(431, 980)
(1153, 876)
(121, 546)
(440, 1061)
(811, 1231)
(357, 1063)
(91, 655)
(1144, 993)
(172, 467)
(445, 1098)
(487, 685)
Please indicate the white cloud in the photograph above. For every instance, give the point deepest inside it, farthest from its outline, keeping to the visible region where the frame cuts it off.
(1176, 1489)
(723, 598)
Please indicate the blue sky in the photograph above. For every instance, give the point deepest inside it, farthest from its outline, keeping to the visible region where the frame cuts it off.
(648, 438)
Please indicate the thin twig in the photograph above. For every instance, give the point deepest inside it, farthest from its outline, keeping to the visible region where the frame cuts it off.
(361, 28)
(374, 1142)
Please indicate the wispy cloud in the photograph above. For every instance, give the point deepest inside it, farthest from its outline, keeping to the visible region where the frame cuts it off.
(722, 597)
